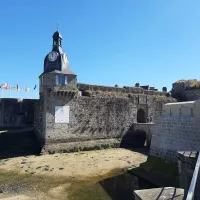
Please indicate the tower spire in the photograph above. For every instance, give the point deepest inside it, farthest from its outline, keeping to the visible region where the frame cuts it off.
(57, 25)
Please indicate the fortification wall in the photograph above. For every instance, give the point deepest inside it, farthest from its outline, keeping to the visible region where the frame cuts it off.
(16, 112)
(191, 95)
(171, 134)
(95, 122)
(184, 92)
(178, 129)
(125, 89)
(39, 119)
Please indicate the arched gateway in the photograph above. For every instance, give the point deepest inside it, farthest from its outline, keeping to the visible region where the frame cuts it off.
(141, 116)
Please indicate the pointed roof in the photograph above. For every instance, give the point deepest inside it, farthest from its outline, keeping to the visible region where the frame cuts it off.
(57, 35)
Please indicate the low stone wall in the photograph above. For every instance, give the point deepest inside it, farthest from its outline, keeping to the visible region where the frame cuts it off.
(16, 112)
(174, 133)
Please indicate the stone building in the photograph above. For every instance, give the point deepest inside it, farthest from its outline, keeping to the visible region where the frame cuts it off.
(72, 116)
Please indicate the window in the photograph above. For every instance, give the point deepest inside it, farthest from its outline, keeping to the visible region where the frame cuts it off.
(61, 80)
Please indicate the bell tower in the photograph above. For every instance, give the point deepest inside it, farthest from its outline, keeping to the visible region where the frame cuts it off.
(57, 91)
(57, 42)
(57, 73)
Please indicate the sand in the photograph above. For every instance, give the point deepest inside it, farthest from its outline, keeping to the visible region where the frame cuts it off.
(63, 176)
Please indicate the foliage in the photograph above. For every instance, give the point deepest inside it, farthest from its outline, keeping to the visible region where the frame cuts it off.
(190, 84)
(160, 97)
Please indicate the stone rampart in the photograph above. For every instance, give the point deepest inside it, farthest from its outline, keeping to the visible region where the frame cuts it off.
(16, 112)
(93, 122)
(174, 133)
(185, 92)
(125, 89)
(39, 120)
(177, 129)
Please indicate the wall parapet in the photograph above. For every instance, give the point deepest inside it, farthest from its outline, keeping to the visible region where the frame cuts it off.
(16, 112)
(125, 89)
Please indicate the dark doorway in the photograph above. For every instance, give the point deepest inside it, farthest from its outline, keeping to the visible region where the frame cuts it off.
(141, 116)
(134, 139)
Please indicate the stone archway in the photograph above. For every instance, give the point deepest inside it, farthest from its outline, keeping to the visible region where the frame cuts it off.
(135, 139)
(141, 118)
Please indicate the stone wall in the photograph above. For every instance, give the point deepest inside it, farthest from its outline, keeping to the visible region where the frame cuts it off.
(125, 89)
(93, 121)
(174, 133)
(16, 112)
(39, 120)
(186, 165)
(183, 93)
(191, 95)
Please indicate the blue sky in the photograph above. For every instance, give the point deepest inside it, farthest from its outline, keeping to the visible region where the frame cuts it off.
(153, 42)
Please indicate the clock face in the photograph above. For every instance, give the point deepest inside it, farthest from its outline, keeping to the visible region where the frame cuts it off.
(65, 58)
(53, 56)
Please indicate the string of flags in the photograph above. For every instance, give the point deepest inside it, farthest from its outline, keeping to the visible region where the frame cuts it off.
(8, 87)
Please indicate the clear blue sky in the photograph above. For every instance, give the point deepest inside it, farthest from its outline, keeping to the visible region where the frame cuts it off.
(108, 42)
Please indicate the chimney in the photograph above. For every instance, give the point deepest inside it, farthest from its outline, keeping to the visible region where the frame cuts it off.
(137, 85)
(164, 89)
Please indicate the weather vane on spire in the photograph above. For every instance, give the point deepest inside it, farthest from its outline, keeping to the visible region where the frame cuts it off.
(57, 25)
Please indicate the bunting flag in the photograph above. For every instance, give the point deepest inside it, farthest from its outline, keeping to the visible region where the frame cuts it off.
(7, 87)
(27, 89)
(4, 85)
(17, 87)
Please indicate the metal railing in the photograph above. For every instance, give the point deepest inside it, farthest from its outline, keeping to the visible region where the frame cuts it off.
(190, 195)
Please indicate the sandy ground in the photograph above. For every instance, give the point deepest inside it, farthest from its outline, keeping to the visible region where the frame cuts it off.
(62, 176)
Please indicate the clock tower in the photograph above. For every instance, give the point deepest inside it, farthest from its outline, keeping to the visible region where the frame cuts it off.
(56, 59)
(57, 92)
(57, 73)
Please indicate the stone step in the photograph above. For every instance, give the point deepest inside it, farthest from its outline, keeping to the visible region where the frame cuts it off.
(161, 193)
